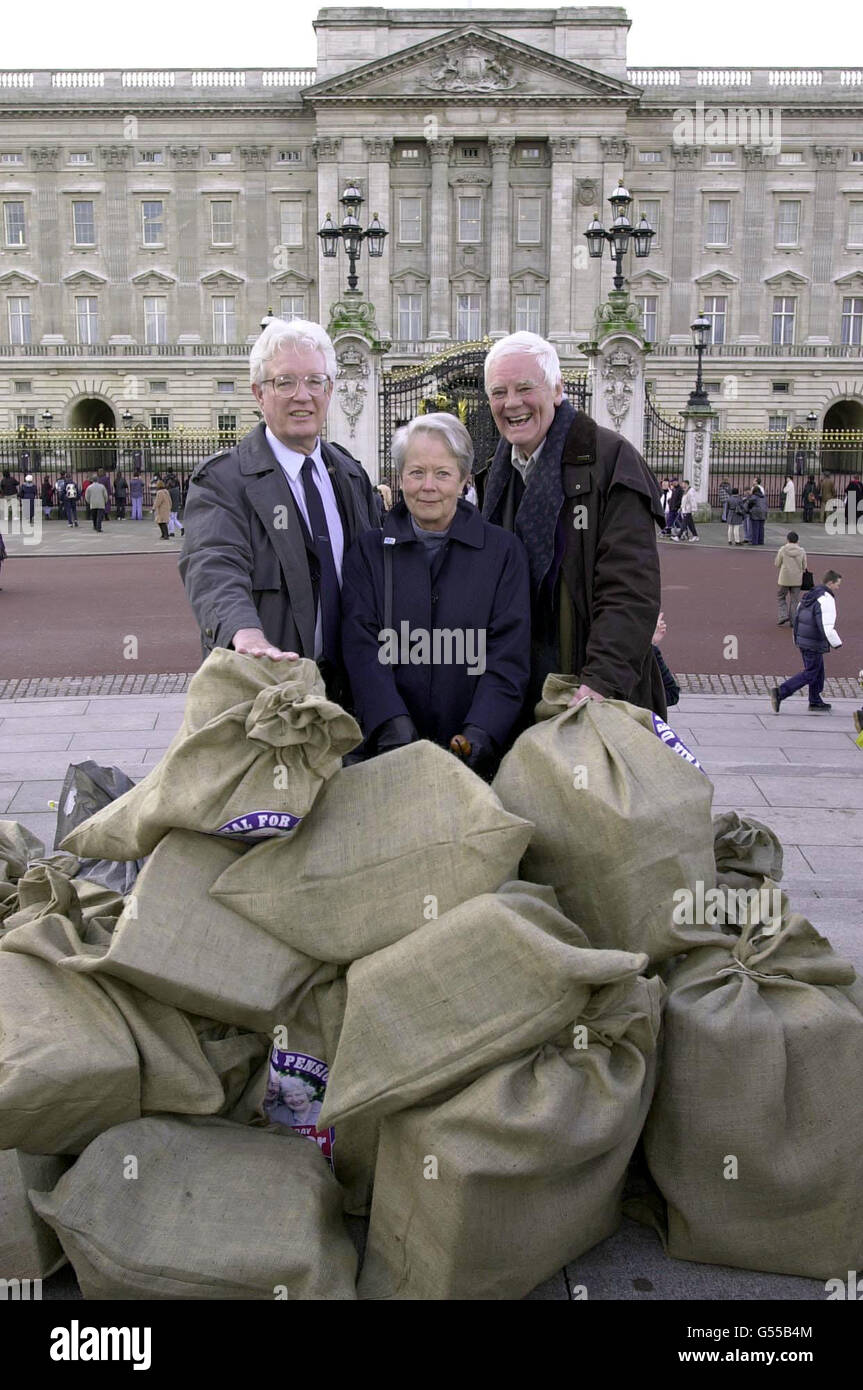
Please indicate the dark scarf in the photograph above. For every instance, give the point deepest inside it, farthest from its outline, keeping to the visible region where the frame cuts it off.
(543, 500)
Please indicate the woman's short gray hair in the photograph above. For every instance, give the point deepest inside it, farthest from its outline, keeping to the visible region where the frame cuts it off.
(296, 333)
(448, 428)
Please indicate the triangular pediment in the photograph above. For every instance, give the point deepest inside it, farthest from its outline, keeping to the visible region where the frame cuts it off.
(468, 64)
(528, 279)
(785, 277)
(222, 279)
(18, 279)
(153, 279)
(717, 275)
(290, 280)
(649, 279)
(852, 279)
(84, 279)
(409, 278)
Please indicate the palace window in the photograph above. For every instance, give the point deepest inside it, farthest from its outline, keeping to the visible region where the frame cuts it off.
(152, 156)
(18, 311)
(224, 318)
(153, 223)
(527, 308)
(411, 219)
(784, 313)
(529, 221)
(222, 223)
(291, 222)
(718, 222)
(716, 311)
(155, 318)
(410, 317)
(468, 307)
(852, 321)
(855, 224)
(83, 223)
(14, 226)
(651, 209)
(87, 319)
(292, 306)
(788, 222)
(649, 306)
(470, 219)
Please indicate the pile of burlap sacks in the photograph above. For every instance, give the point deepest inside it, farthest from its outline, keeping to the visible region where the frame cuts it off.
(487, 995)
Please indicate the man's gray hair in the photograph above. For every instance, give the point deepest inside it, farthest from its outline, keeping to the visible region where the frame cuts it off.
(546, 356)
(298, 334)
(448, 428)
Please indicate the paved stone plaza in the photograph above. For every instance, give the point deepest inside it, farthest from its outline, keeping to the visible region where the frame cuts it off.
(801, 774)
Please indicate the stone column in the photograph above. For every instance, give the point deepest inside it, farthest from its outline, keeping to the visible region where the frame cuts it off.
(755, 229)
(687, 160)
(501, 236)
(825, 203)
(699, 422)
(439, 286)
(562, 152)
(617, 386)
(380, 268)
(332, 274)
(352, 418)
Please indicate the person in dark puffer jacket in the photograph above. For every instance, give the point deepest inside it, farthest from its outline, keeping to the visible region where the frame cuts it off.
(814, 633)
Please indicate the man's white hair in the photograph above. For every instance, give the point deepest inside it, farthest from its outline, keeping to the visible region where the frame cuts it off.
(299, 334)
(546, 356)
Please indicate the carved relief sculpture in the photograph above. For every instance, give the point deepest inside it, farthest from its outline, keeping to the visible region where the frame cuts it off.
(619, 370)
(351, 390)
(472, 71)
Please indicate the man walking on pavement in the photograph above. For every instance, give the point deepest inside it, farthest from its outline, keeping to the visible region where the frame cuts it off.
(790, 562)
(814, 633)
(96, 500)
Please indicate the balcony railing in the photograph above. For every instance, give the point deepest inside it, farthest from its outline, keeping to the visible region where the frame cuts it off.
(55, 85)
(125, 349)
(800, 350)
(770, 81)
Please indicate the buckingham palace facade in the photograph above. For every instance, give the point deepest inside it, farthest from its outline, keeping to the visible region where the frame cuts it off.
(151, 218)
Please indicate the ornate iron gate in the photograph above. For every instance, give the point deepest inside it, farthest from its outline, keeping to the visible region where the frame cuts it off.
(452, 381)
(663, 441)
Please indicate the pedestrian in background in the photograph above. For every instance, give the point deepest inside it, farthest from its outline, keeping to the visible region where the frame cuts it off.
(791, 562)
(172, 483)
(8, 497)
(27, 494)
(136, 492)
(162, 508)
(735, 511)
(3, 555)
(814, 633)
(105, 479)
(756, 510)
(96, 501)
(828, 492)
(674, 501)
(47, 496)
(724, 494)
(789, 504)
(687, 509)
(811, 498)
(70, 492)
(120, 490)
(664, 496)
(853, 512)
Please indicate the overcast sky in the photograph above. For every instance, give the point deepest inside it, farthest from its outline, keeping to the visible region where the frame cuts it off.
(223, 33)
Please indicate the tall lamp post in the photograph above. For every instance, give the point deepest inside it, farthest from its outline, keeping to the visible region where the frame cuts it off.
(700, 333)
(352, 234)
(620, 235)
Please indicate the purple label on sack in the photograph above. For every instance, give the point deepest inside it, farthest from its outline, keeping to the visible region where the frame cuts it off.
(295, 1096)
(670, 739)
(260, 825)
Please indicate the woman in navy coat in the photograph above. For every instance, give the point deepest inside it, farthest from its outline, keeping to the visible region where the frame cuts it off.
(436, 609)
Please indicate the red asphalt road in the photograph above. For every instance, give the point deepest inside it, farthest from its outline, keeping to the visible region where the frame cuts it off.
(72, 615)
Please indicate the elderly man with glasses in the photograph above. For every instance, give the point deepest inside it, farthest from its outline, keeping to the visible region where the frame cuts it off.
(586, 506)
(268, 521)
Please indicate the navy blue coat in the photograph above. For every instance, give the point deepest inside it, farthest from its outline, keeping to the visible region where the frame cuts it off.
(480, 583)
(809, 634)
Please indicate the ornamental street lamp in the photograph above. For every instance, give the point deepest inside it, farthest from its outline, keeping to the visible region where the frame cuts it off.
(700, 334)
(622, 232)
(47, 419)
(351, 233)
(126, 417)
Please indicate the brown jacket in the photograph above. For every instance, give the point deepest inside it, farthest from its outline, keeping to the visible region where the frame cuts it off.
(162, 506)
(791, 562)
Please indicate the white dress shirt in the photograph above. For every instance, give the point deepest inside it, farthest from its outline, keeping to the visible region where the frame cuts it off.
(291, 464)
(526, 464)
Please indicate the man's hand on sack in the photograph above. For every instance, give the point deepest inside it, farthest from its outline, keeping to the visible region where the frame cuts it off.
(395, 733)
(482, 757)
(585, 690)
(250, 641)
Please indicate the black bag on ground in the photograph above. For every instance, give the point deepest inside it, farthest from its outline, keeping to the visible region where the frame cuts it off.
(86, 789)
